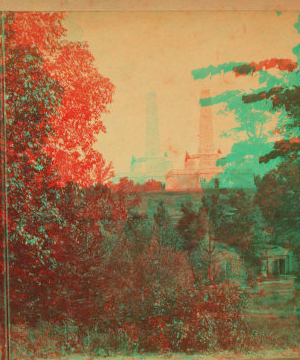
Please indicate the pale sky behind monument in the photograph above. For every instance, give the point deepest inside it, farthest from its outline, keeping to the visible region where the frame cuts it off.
(155, 52)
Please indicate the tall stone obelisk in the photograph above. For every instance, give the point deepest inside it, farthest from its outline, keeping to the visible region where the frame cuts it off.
(206, 134)
(201, 167)
(207, 154)
(152, 127)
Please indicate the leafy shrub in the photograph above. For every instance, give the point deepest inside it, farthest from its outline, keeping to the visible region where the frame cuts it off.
(169, 320)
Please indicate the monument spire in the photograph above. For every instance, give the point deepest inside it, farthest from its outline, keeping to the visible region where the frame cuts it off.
(152, 130)
(206, 135)
(200, 168)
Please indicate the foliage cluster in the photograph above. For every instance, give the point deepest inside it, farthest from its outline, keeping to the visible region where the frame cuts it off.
(81, 258)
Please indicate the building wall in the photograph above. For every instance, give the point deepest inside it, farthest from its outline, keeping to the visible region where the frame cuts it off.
(151, 168)
(191, 164)
(156, 166)
(207, 160)
(169, 164)
(138, 167)
(272, 264)
(203, 164)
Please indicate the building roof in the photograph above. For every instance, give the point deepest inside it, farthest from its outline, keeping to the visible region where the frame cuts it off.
(223, 252)
(273, 250)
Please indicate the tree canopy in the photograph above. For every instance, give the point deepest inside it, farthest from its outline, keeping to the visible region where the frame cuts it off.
(275, 98)
(54, 94)
(86, 95)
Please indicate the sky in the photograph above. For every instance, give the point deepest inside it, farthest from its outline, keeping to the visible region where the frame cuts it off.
(143, 52)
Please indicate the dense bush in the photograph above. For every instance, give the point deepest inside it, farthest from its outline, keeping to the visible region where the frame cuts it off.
(177, 321)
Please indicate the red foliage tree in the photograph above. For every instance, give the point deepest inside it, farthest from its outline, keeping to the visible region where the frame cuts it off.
(42, 120)
(85, 98)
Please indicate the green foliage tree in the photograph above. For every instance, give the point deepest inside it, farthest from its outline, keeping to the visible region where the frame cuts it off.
(167, 234)
(32, 99)
(278, 196)
(191, 226)
(231, 220)
(275, 97)
(278, 199)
